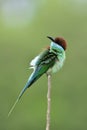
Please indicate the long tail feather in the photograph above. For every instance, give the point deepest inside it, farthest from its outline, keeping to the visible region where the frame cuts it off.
(13, 107)
(34, 76)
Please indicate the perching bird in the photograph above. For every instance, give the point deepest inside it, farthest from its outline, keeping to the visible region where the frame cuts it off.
(49, 60)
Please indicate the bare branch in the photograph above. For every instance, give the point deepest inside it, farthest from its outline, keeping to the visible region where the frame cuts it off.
(48, 102)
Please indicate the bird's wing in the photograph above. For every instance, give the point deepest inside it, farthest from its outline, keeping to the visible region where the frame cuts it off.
(44, 57)
(45, 61)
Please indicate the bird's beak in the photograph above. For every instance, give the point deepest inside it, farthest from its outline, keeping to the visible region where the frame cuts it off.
(51, 38)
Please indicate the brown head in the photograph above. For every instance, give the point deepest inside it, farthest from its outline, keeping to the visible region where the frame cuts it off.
(60, 41)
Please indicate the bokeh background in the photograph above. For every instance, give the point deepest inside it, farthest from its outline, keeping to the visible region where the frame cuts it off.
(24, 25)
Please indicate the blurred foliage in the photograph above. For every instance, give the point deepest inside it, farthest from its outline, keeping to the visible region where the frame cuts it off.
(19, 43)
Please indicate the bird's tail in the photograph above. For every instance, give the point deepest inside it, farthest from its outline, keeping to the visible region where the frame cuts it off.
(34, 76)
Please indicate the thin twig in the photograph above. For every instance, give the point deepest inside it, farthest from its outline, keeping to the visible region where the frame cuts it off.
(48, 102)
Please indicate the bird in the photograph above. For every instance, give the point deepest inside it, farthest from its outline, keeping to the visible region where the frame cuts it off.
(50, 60)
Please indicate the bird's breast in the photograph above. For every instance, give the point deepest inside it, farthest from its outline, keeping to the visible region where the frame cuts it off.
(58, 64)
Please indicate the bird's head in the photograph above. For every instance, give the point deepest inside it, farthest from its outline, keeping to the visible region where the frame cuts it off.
(59, 41)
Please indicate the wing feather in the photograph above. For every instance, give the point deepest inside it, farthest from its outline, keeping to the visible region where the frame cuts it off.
(44, 61)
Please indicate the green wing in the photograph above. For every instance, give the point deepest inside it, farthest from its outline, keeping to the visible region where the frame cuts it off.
(45, 61)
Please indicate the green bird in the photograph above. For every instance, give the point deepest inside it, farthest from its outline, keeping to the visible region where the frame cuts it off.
(50, 60)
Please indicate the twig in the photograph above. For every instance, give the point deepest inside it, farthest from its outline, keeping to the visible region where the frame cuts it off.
(48, 102)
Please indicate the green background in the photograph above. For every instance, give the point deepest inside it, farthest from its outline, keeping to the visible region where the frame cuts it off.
(20, 42)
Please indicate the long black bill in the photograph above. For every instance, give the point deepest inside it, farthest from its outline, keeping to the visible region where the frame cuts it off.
(50, 38)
